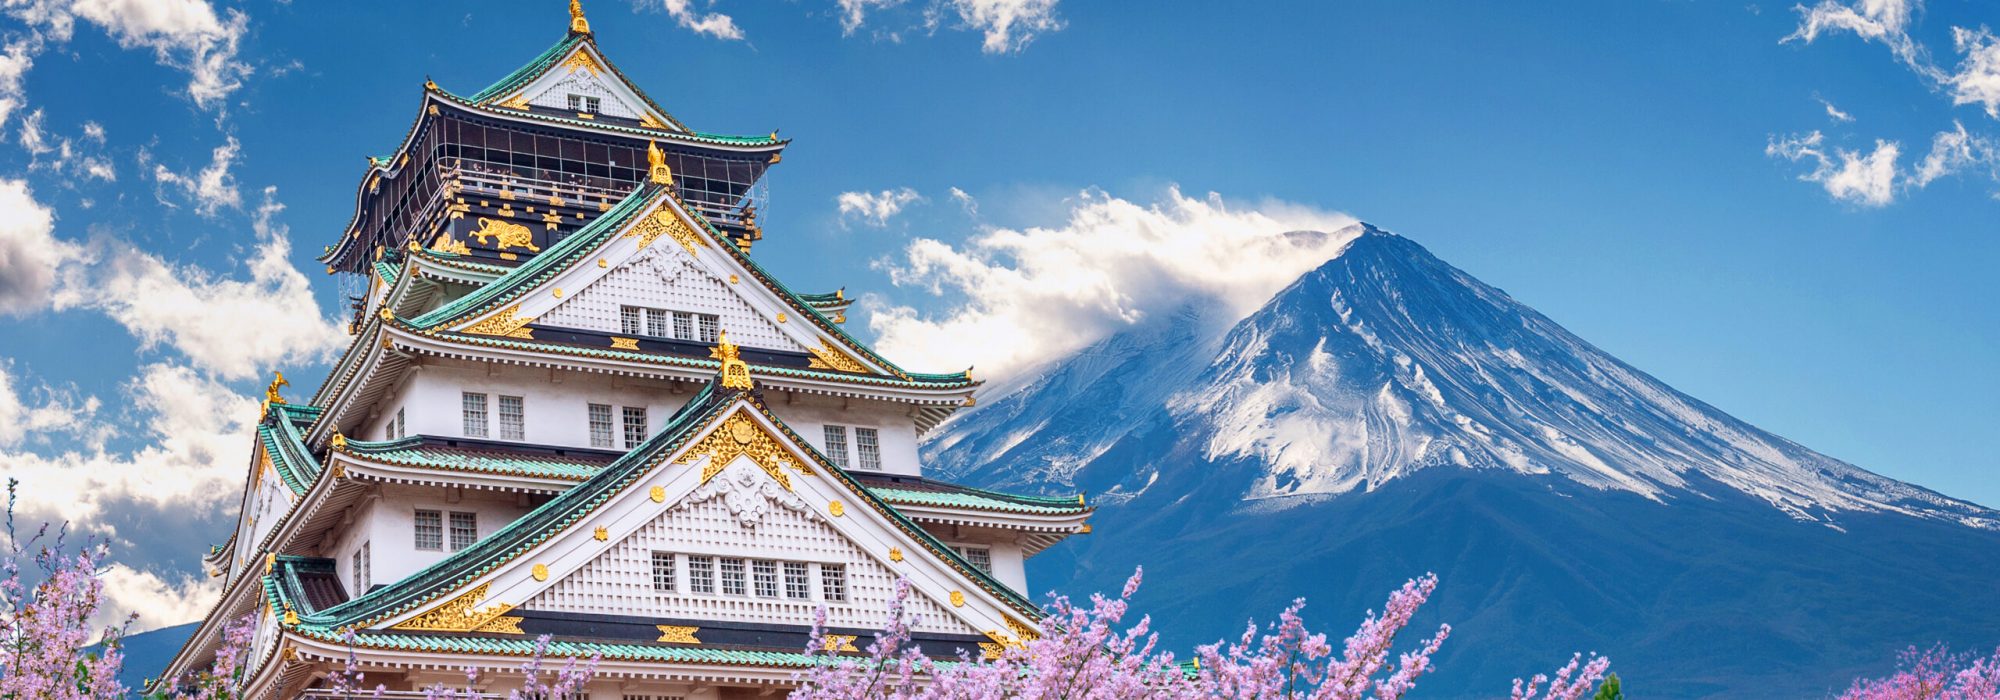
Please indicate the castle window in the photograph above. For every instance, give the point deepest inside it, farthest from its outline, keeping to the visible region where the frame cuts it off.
(663, 572)
(683, 325)
(732, 577)
(981, 558)
(474, 407)
(360, 569)
(464, 530)
(765, 575)
(635, 426)
(600, 425)
(836, 444)
(701, 575)
(798, 583)
(628, 320)
(397, 426)
(868, 446)
(512, 423)
(697, 327)
(711, 327)
(584, 103)
(656, 322)
(430, 530)
(833, 582)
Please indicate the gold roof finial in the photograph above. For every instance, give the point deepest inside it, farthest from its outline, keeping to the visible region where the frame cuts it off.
(735, 374)
(656, 162)
(271, 392)
(577, 24)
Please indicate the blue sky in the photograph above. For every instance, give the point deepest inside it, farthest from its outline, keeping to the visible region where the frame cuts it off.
(1788, 212)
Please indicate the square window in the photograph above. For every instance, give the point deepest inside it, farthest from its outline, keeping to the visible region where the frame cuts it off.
(765, 575)
(711, 327)
(360, 569)
(732, 577)
(656, 323)
(600, 425)
(474, 408)
(663, 572)
(833, 582)
(868, 447)
(836, 444)
(981, 558)
(635, 426)
(628, 320)
(430, 530)
(701, 575)
(683, 325)
(798, 582)
(464, 530)
(512, 423)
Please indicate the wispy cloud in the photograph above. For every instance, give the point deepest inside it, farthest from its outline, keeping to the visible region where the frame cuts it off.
(1035, 294)
(875, 208)
(714, 24)
(210, 189)
(188, 35)
(1834, 113)
(1875, 177)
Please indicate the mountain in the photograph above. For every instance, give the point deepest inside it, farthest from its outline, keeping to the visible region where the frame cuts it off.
(1388, 414)
(148, 653)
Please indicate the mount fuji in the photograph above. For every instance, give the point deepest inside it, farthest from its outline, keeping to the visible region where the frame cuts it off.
(1387, 414)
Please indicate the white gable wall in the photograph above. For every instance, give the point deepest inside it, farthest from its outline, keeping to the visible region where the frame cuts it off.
(809, 415)
(555, 412)
(581, 82)
(664, 277)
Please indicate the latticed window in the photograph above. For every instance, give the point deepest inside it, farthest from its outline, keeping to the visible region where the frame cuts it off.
(360, 567)
(635, 426)
(584, 103)
(513, 425)
(836, 444)
(833, 582)
(656, 322)
(798, 582)
(663, 571)
(981, 558)
(628, 320)
(701, 575)
(733, 577)
(464, 530)
(710, 326)
(683, 325)
(600, 425)
(430, 530)
(765, 575)
(868, 447)
(474, 407)
(396, 426)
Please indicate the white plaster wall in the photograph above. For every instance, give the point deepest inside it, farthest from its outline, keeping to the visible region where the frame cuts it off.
(387, 521)
(555, 412)
(809, 415)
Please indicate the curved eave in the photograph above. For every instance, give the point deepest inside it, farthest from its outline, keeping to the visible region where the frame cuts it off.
(454, 652)
(376, 468)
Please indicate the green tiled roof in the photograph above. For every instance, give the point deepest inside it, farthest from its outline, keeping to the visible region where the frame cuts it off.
(978, 500)
(527, 73)
(543, 265)
(412, 452)
(287, 450)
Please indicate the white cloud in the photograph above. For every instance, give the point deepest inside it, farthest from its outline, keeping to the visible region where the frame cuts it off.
(156, 601)
(1978, 78)
(1834, 113)
(855, 12)
(965, 201)
(1035, 294)
(1953, 152)
(1850, 176)
(210, 189)
(1886, 21)
(713, 24)
(63, 155)
(185, 34)
(1008, 25)
(15, 60)
(202, 314)
(29, 252)
(196, 450)
(875, 208)
(54, 412)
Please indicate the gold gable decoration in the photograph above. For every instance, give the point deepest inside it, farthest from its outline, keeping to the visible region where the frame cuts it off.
(741, 436)
(663, 222)
(828, 356)
(580, 61)
(508, 322)
(463, 614)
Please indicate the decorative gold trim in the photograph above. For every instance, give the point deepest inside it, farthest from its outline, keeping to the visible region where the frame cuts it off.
(838, 643)
(664, 222)
(577, 24)
(647, 120)
(895, 554)
(505, 234)
(271, 392)
(557, 293)
(836, 508)
(618, 343)
(781, 317)
(676, 634)
(737, 436)
(339, 441)
(958, 599)
(735, 373)
(656, 165)
(540, 572)
(508, 322)
(580, 60)
(828, 356)
(463, 614)
(445, 243)
(602, 263)
(659, 494)
(601, 534)
(733, 279)
(517, 102)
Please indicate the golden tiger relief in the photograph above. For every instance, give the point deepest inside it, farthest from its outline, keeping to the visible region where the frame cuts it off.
(506, 234)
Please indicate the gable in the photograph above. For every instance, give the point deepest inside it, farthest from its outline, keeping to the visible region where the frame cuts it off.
(740, 514)
(584, 72)
(668, 278)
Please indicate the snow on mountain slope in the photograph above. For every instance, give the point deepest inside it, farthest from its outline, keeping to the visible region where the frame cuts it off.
(1383, 362)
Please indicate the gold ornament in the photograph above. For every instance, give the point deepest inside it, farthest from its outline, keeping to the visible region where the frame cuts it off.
(827, 356)
(663, 222)
(895, 554)
(618, 343)
(656, 163)
(740, 436)
(958, 599)
(735, 374)
(505, 234)
(540, 572)
(676, 634)
(507, 323)
(836, 508)
(463, 614)
(601, 534)
(838, 642)
(659, 494)
(580, 60)
(577, 24)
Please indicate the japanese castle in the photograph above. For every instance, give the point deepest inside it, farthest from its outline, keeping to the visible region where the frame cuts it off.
(575, 405)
